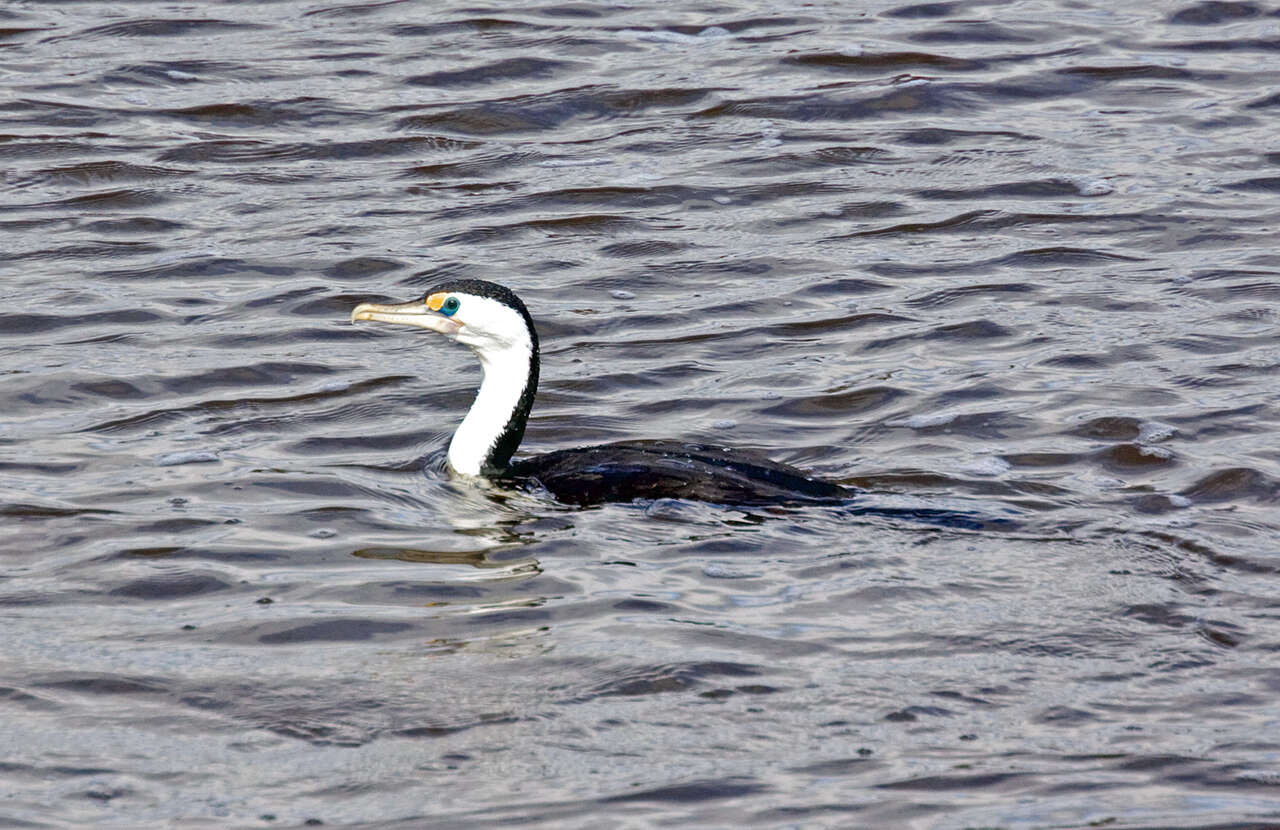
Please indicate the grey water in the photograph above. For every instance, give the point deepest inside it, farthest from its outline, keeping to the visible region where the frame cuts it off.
(1018, 259)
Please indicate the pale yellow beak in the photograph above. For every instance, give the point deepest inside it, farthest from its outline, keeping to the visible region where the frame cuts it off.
(414, 313)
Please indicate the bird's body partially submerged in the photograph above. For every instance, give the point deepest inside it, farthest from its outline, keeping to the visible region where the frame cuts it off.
(630, 470)
(496, 325)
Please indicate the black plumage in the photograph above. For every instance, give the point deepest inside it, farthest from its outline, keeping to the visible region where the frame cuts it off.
(630, 470)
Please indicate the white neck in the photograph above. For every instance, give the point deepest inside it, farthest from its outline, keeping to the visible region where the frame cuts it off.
(506, 371)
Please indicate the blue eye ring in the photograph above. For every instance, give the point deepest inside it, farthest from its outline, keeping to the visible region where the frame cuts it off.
(450, 306)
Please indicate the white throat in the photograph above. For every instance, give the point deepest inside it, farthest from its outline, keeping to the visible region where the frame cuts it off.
(506, 371)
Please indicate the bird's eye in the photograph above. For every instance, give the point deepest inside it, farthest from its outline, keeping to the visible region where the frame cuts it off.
(450, 306)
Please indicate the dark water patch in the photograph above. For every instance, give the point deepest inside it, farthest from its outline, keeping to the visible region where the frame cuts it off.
(33, 112)
(827, 157)
(695, 792)
(246, 151)
(233, 556)
(292, 298)
(225, 407)
(651, 680)
(90, 251)
(903, 101)
(936, 137)
(961, 781)
(755, 22)
(133, 225)
(843, 287)
(166, 74)
(173, 585)
(1065, 716)
(844, 323)
(273, 374)
(950, 297)
(238, 114)
(854, 402)
(643, 248)
(843, 767)
(1265, 102)
(45, 511)
(546, 111)
(441, 730)
(1206, 344)
(117, 390)
(615, 197)
(96, 172)
(1109, 428)
(36, 466)
(1258, 280)
(970, 331)
(162, 27)
(1213, 13)
(990, 424)
(126, 198)
(28, 324)
(1265, 184)
(358, 268)
(475, 168)
(508, 69)
(747, 689)
(1059, 257)
(1161, 615)
(184, 524)
(923, 11)
(1138, 72)
(329, 445)
(910, 714)
(198, 268)
(1233, 484)
(596, 224)
(1043, 189)
(1135, 458)
(1238, 45)
(849, 210)
(26, 700)
(334, 490)
(960, 222)
(102, 684)
(14, 33)
(1096, 360)
(880, 62)
(329, 631)
(1155, 504)
(465, 26)
(974, 31)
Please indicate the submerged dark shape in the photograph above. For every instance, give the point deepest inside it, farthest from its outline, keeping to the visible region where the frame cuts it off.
(494, 322)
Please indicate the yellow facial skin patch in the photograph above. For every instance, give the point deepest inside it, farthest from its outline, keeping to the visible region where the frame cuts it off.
(436, 300)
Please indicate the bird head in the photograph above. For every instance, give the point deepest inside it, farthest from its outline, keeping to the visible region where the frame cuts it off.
(483, 315)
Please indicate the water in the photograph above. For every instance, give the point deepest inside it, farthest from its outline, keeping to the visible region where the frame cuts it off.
(1016, 258)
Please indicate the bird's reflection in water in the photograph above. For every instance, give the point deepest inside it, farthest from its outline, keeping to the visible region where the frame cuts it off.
(441, 519)
(491, 534)
(501, 594)
(488, 559)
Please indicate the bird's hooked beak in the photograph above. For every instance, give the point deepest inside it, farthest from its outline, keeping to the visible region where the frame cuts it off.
(415, 313)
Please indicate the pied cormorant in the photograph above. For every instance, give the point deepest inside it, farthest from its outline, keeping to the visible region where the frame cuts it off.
(494, 322)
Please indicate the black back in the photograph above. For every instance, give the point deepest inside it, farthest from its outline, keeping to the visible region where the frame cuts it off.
(630, 470)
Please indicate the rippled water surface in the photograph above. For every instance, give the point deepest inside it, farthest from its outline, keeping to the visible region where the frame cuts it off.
(1015, 258)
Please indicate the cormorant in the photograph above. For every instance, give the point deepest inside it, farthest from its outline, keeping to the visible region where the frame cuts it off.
(494, 322)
